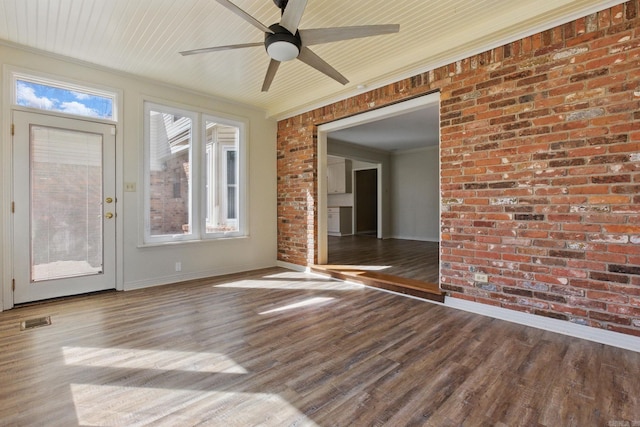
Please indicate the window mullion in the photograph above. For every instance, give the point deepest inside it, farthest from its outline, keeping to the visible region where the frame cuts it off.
(198, 187)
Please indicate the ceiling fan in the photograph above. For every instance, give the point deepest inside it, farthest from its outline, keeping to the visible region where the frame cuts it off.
(285, 42)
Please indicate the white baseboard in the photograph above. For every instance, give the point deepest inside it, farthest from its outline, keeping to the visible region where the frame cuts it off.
(421, 239)
(614, 339)
(183, 277)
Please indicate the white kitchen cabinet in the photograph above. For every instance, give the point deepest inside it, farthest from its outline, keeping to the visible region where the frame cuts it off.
(339, 221)
(338, 175)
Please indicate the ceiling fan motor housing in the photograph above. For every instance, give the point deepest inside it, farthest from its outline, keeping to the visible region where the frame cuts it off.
(281, 45)
(281, 4)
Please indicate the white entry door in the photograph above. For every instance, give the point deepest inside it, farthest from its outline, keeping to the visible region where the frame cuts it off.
(64, 227)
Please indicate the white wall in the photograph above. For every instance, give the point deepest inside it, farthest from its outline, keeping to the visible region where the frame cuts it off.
(147, 266)
(414, 195)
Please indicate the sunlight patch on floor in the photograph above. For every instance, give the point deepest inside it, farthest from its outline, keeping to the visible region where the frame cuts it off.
(305, 282)
(137, 406)
(306, 303)
(168, 360)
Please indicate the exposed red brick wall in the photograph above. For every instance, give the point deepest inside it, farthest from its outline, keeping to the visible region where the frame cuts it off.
(297, 191)
(540, 177)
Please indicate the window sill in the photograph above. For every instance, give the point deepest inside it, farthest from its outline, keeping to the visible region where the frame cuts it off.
(190, 242)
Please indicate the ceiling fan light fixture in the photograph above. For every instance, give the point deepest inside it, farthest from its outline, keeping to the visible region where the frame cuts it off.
(283, 41)
(281, 45)
(283, 51)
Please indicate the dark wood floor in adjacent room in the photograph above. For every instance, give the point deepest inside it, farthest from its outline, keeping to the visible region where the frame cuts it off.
(280, 348)
(412, 259)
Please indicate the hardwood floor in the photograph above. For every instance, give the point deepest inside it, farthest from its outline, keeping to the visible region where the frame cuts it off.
(412, 259)
(277, 348)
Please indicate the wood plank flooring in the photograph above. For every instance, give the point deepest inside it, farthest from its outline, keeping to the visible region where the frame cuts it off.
(412, 259)
(281, 348)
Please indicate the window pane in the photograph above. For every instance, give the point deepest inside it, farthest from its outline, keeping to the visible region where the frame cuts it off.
(222, 177)
(231, 202)
(231, 167)
(169, 173)
(53, 98)
(231, 184)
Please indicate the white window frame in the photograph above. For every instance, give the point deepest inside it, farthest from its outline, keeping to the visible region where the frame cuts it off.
(216, 164)
(202, 160)
(84, 88)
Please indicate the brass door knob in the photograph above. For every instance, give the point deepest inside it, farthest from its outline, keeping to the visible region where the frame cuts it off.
(108, 215)
(108, 200)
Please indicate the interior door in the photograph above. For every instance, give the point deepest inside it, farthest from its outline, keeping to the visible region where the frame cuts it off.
(366, 201)
(64, 229)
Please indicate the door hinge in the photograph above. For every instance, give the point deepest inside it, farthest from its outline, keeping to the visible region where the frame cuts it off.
(13, 129)
(13, 284)
(13, 207)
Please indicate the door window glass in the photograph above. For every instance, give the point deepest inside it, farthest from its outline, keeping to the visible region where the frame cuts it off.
(66, 209)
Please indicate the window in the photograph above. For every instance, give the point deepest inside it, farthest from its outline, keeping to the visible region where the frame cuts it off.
(221, 177)
(193, 170)
(52, 95)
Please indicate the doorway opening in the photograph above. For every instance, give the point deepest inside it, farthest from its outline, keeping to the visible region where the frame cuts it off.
(395, 202)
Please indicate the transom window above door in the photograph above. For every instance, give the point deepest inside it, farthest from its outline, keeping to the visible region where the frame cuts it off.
(63, 97)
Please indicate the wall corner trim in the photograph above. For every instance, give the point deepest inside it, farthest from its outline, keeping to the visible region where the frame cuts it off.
(614, 339)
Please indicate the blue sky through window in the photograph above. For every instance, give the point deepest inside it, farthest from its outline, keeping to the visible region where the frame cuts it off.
(45, 97)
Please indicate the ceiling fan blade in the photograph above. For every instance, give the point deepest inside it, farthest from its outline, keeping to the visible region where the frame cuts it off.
(219, 48)
(313, 60)
(328, 35)
(293, 14)
(244, 15)
(271, 73)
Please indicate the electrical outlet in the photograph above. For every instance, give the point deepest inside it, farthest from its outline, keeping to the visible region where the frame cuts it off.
(479, 277)
(178, 266)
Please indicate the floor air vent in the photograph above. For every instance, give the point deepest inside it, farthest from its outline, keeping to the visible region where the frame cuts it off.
(35, 323)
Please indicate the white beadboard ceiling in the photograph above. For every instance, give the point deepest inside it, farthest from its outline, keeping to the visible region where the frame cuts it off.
(143, 37)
